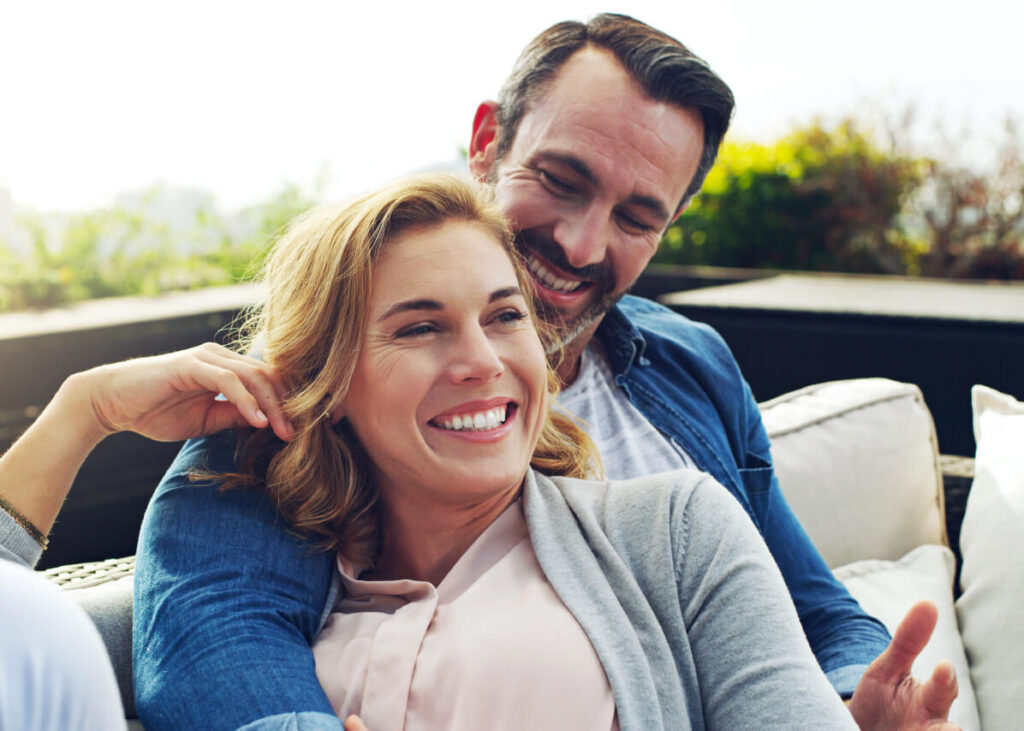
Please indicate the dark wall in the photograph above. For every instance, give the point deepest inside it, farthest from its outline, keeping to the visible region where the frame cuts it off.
(781, 351)
(659, 279)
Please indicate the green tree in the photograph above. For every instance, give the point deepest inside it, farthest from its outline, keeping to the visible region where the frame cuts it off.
(818, 199)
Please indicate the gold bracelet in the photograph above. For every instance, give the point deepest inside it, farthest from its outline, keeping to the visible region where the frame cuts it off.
(24, 522)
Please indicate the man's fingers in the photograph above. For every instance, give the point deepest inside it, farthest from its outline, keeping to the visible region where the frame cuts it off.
(908, 640)
(941, 690)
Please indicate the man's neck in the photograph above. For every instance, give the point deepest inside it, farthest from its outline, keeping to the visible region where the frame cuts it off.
(569, 368)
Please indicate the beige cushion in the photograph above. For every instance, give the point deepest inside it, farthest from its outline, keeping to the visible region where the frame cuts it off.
(991, 608)
(858, 462)
(887, 589)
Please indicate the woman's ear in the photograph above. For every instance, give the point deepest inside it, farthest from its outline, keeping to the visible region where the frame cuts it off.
(337, 414)
(484, 140)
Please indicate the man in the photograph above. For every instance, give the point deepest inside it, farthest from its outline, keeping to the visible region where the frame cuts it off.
(600, 137)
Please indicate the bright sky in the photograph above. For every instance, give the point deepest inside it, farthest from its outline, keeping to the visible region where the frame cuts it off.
(239, 98)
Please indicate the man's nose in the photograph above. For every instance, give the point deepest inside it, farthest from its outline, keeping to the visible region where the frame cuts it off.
(473, 357)
(583, 237)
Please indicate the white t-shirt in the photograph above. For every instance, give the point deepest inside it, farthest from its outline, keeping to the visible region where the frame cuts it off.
(630, 445)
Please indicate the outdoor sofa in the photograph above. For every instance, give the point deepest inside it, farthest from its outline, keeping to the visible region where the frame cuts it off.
(859, 463)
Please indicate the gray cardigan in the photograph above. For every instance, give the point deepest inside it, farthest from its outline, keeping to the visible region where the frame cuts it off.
(720, 647)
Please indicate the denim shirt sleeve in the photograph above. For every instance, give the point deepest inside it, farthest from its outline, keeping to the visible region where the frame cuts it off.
(842, 635)
(227, 604)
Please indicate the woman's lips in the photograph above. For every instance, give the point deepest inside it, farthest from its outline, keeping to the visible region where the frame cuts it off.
(478, 420)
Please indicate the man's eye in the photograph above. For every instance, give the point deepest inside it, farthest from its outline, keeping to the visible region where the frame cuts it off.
(556, 184)
(634, 225)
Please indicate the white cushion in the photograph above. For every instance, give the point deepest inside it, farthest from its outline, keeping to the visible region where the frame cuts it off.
(991, 608)
(858, 462)
(887, 589)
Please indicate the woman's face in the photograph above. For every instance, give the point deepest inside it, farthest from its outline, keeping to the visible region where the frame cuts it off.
(448, 395)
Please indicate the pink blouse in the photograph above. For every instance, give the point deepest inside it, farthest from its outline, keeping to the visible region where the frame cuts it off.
(491, 647)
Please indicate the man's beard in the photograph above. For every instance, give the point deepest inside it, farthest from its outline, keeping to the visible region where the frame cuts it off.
(601, 280)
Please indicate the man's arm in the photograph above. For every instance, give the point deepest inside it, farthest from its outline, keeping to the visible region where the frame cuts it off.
(844, 638)
(863, 663)
(227, 604)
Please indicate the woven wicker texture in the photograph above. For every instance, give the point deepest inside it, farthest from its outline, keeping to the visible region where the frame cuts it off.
(82, 575)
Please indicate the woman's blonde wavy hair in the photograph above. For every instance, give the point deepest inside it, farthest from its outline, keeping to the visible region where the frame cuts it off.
(310, 329)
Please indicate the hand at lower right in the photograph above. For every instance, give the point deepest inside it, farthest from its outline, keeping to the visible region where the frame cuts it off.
(889, 697)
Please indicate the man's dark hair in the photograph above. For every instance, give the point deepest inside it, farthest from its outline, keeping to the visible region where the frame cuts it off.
(667, 70)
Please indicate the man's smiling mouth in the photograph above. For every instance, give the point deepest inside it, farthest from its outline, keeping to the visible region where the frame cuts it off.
(549, 279)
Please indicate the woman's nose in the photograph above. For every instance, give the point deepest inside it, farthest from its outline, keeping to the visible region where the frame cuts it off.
(474, 357)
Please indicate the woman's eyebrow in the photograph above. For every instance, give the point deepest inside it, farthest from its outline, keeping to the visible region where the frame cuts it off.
(505, 293)
(435, 306)
(406, 305)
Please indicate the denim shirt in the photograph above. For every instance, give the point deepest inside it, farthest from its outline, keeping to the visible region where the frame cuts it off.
(682, 377)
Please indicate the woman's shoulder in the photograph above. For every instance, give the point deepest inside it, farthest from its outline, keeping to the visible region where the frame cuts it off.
(674, 484)
(667, 498)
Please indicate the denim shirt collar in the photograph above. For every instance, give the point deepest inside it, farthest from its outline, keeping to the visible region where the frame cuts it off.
(623, 342)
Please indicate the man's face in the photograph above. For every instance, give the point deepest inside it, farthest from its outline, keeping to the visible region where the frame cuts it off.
(594, 176)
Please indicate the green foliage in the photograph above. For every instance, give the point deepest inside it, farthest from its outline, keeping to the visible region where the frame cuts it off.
(115, 251)
(818, 199)
(837, 198)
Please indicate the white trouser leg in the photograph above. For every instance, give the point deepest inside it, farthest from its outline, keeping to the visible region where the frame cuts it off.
(54, 669)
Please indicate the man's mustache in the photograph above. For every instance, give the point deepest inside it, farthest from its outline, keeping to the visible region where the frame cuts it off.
(546, 247)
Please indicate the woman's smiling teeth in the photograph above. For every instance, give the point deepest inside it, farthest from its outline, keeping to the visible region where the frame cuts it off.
(550, 280)
(479, 421)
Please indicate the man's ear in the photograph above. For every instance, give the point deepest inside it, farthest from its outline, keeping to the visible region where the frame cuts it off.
(484, 141)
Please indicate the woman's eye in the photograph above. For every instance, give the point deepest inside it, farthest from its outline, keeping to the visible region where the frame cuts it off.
(509, 317)
(423, 328)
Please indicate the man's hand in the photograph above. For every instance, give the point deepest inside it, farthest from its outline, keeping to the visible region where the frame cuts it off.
(888, 696)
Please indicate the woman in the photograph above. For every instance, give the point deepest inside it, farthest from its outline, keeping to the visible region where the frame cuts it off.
(483, 585)
(477, 591)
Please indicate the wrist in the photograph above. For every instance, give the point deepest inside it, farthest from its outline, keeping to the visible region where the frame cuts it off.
(75, 405)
